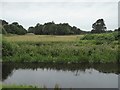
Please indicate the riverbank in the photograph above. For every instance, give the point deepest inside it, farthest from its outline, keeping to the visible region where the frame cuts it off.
(91, 48)
(23, 87)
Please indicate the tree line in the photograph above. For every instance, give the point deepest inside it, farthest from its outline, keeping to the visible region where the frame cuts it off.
(50, 28)
(13, 28)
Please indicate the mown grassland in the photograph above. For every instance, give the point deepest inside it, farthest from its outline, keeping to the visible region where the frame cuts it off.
(90, 48)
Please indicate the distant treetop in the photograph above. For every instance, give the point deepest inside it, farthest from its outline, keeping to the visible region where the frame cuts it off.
(50, 28)
(13, 28)
(99, 26)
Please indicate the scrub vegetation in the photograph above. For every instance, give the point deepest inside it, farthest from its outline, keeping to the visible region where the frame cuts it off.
(89, 48)
(59, 43)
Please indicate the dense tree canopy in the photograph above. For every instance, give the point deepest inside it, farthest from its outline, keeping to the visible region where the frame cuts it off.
(31, 30)
(99, 26)
(13, 28)
(51, 28)
(2, 29)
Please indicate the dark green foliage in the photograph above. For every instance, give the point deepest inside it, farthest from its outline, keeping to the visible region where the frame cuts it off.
(51, 28)
(118, 58)
(7, 48)
(3, 22)
(102, 38)
(99, 26)
(116, 35)
(13, 28)
(38, 29)
(2, 30)
(31, 30)
(117, 29)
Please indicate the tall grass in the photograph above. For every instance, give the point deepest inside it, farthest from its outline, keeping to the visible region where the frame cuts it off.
(92, 48)
(25, 87)
(43, 38)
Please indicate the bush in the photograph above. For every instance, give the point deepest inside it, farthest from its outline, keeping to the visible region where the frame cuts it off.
(7, 48)
(101, 38)
(116, 35)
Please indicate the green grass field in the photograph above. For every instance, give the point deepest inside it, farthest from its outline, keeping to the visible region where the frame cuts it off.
(25, 87)
(91, 48)
(43, 38)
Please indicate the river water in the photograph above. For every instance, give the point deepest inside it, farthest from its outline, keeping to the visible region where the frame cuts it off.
(63, 75)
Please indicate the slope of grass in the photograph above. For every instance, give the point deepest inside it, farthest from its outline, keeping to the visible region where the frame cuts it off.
(92, 48)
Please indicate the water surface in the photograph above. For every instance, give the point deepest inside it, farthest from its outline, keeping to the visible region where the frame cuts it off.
(64, 75)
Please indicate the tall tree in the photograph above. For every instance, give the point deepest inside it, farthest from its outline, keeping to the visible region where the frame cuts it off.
(15, 28)
(99, 26)
(31, 30)
(38, 29)
(2, 24)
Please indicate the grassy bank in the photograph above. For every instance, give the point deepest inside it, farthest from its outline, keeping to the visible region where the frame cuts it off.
(91, 48)
(25, 87)
(17, 86)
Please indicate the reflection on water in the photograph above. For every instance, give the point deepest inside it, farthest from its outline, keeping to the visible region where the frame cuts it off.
(65, 75)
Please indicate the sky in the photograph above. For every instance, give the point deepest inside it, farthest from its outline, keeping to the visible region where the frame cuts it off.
(79, 13)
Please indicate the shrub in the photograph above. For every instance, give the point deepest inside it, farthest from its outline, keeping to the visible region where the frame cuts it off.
(7, 48)
(101, 38)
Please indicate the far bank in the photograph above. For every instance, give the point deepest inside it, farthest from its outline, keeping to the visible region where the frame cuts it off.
(88, 48)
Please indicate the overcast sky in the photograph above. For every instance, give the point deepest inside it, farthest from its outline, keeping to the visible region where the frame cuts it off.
(77, 13)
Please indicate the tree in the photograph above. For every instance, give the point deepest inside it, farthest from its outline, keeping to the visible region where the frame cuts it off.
(117, 29)
(3, 22)
(15, 23)
(31, 30)
(50, 28)
(76, 30)
(38, 29)
(2, 30)
(15, 28)
(99, 26)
